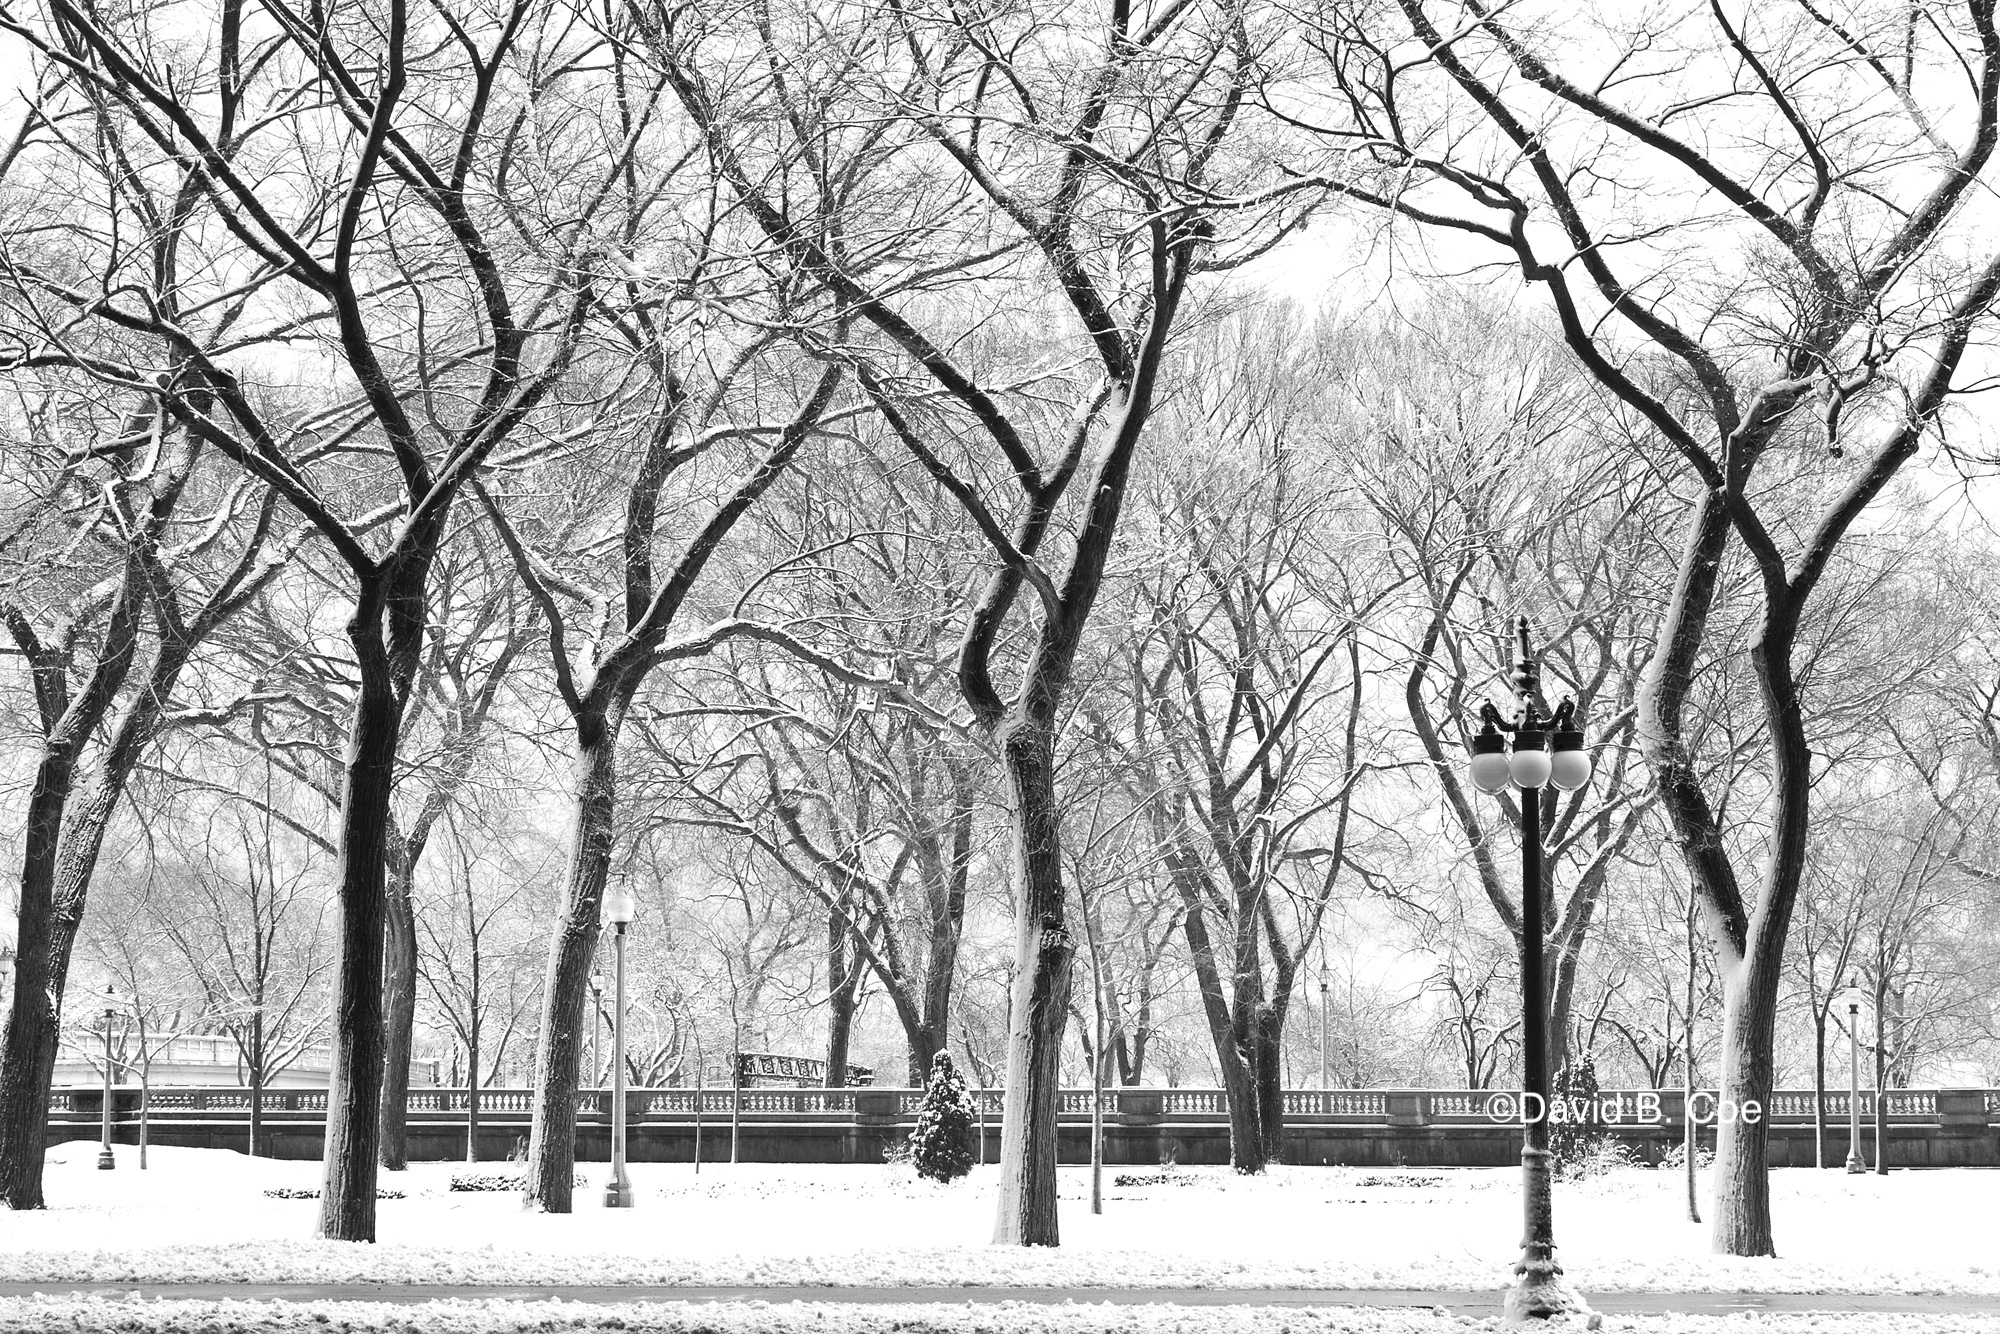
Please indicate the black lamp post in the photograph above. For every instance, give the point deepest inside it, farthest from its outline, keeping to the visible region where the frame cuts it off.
(105, 1161)
(620, 908)
(1547, 753)
(1853, 997)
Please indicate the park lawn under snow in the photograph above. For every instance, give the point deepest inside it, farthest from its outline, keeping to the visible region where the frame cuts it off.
(202, 1216)
(66, 1315)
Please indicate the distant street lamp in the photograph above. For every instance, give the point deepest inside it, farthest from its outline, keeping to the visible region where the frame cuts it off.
(1325, 1010)
(596, 1027)
(1535, 769)
(620, 909)
(1853, 998)
(105, 1162)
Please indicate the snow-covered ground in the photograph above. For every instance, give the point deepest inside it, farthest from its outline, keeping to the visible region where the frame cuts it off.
(202, 1215)
(71, 1315)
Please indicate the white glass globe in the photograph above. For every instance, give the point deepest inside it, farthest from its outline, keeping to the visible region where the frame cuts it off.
(1529, 768)
(620, 908)
(1569, 769)
(1489, 771)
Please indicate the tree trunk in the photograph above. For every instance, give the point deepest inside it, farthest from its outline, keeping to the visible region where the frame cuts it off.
(35, 1016)
(1819, 1087)
(1039, 1005)
(354, 1091)
(257, 1079)
(472, 1092)
(1232, 1059)
(399, 1008)
(1881, 1090)
(843, 979)
(1269, 1031)
(1742, 1147)
(559, 1051)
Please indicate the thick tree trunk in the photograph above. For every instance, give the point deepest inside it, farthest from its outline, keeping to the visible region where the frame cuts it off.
(1742, 1224)
(399, 1008)
(843, 980)
(28, 1060)
(1233, 1058)
(1039, 1008)
(354, 1092)
(558, 1053)
(1269, 1033)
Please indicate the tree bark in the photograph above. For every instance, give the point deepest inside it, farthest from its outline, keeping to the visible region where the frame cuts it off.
(1039, 1004)
(399, 1007)
(843, 980)
(354, 1090)
(33, 1019)
(1819, 1086)
(1232, 1059)
(558, 1053)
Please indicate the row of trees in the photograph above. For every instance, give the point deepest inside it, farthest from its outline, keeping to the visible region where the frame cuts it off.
(794, 428)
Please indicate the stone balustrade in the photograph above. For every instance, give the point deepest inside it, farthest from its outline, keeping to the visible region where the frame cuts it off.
(1374, 1127)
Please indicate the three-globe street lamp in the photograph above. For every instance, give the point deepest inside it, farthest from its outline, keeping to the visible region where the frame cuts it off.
(1853, 997)
(105, 1161)
(1547, 753)
(620, 909)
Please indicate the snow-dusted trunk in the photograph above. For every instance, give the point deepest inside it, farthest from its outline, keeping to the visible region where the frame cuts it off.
(399, 1009)
(558, 1053)
(1233, 1057)
(1039, 1008)
(354, 1090)
(1742, 1224)
(843, 981)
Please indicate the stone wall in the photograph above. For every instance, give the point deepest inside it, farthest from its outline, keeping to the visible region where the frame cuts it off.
(1952, 1129)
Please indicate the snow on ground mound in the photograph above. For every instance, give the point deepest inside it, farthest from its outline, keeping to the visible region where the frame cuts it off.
(201, 1215)
(68, 1315)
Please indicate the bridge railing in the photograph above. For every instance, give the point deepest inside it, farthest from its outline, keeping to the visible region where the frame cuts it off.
(1397, 1107)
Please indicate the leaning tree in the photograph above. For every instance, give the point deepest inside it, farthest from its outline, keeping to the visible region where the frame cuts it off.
(1757, 233)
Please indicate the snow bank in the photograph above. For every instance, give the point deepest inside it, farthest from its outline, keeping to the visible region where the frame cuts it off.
(202, 1216)
(71, 1315)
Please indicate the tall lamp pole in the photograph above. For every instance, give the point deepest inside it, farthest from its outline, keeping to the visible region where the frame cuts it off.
(1536, 770)
(620, 908)
(1852, 998)
(105, 1161)
(1325, 1011)
(596, 1028)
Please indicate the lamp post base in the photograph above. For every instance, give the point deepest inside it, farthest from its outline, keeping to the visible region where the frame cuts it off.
(105, 1162)
(1855, 1167)
(1541, 1293)
(618, 1192)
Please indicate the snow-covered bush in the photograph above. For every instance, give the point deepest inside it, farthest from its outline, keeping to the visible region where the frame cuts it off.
(312, 1193)
(497, 1181)
(941, 1145)
(1595, 1157)
(1675, 1158)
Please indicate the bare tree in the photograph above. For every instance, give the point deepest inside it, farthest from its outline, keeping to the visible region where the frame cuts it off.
(1762, 313)
(1104, 192)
